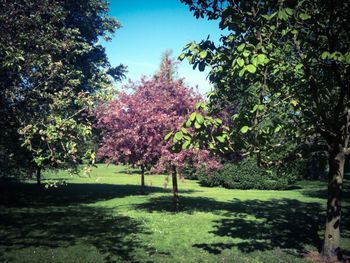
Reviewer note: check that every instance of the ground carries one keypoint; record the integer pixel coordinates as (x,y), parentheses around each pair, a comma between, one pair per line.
(103,218)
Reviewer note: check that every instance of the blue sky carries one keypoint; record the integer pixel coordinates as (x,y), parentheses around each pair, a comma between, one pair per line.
(151,27)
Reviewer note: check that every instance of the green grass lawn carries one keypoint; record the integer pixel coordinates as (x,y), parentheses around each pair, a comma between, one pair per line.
(104,219)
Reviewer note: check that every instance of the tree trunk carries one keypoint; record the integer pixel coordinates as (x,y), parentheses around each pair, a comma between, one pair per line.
(38,175)
(175,189)
(142,180)
(331,243)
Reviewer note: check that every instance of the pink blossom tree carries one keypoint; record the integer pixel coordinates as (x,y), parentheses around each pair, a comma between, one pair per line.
(134,124)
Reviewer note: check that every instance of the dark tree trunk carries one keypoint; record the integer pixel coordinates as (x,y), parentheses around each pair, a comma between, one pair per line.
(38,175)
(332,235)
(142,180)
(175,189)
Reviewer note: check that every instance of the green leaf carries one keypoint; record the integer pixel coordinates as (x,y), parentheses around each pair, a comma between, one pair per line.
(193,46)
(282,14)
(178,136)
(261,58)
(241,72)
(220,138)
(197,125)
(325,55)
(245,129)
(185,145)
(246,53)
(240,62)
(294,102)
(167,137)
(241,47)
(200,105)
(199,118)
(267,17)
(181,56)
(255,61)
(188,123)
(278,128)
(257,107)
(193,116)
(254,109)
(347,57)
(235,116)
(203,54)
(304,16)
(289,11)
(299,66)
(218,121)
(251,68)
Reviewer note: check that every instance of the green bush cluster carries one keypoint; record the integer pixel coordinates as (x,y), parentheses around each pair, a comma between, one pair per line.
(188,172)
(292,171)
(248,175)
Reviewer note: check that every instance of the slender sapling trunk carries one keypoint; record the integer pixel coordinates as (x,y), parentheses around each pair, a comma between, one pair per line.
(38,175)
(176,200)
(142,180)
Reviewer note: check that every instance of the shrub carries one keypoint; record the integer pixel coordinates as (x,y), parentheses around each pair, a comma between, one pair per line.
(209,177)
(188,172)
(244,175)
(292,171)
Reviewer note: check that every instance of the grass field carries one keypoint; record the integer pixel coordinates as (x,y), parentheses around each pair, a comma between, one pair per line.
(104,219)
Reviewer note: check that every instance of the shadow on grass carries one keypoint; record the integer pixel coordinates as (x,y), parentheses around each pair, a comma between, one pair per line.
(266,225)
(115,237)
(261,225)
(321,191)
(129,171)
(22,195)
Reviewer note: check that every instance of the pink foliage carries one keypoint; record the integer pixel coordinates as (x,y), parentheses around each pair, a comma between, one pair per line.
(135,123)
(197,158)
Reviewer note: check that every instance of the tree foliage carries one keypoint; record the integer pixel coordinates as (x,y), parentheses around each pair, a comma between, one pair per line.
(135,123)
(51,69)
(284,65)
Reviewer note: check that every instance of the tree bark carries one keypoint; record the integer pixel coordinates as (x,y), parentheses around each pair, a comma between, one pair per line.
(331,245)
(142,180)
(38,175)
(176,200)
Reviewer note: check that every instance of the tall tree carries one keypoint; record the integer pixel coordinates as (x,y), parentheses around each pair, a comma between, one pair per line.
(135,123)
(51,69)
(289,56)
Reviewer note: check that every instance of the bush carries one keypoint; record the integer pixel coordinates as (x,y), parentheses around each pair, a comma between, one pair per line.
(188,172)
(209,177)
(244,175)
(292,171)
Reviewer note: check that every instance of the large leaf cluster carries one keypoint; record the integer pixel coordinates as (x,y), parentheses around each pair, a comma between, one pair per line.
(283,65)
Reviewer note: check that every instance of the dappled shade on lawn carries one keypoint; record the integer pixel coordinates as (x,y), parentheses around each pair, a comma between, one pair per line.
(260,225)
(17,194)
(33,217)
